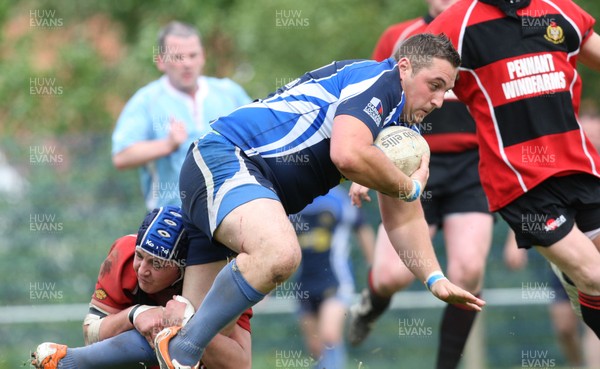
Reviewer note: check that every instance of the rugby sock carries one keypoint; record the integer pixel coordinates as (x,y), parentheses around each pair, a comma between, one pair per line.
(229,296)
(123,350)
(332,357)
(590,311)
(456,325)
(379,304)
(67,362)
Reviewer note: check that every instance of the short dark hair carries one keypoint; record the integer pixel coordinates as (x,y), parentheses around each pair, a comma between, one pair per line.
(175,28)
(420,50)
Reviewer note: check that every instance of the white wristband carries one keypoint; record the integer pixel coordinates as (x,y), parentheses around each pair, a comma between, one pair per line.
(434,277)
(415,193)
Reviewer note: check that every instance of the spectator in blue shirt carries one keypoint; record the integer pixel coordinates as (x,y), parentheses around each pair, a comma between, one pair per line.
(163,118)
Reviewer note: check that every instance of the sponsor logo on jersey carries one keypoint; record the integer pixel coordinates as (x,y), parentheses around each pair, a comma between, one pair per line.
(100,294)
(533,75)
(554,33)
(552,224)
(375,110)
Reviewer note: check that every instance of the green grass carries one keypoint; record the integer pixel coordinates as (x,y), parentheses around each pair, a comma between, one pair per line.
(278,336)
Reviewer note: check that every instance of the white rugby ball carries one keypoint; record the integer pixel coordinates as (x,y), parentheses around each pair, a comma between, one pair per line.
(403,146)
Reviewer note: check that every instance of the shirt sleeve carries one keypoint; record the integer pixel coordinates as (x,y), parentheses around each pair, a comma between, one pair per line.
(117,279)
(134,124)
(373,105)
(585,22)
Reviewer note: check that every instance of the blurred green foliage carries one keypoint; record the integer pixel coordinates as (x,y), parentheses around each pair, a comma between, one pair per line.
(101,53)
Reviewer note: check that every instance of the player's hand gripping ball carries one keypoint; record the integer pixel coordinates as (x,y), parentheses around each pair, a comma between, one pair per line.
(403,146)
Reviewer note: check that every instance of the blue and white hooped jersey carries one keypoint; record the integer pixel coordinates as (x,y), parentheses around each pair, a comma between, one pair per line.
(289,132)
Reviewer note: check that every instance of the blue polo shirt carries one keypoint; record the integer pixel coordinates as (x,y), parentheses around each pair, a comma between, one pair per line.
(147,116)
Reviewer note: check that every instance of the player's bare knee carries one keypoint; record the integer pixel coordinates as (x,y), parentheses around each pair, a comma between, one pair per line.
(285,264)
(587,279)
(467,275)
(391,280)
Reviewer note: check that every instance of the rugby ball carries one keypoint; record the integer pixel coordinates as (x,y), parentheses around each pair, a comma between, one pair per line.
(403,146)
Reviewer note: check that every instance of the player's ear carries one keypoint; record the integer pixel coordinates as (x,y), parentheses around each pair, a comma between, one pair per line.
(404,66)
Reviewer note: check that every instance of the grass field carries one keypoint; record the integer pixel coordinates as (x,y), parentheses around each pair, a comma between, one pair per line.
(508,335)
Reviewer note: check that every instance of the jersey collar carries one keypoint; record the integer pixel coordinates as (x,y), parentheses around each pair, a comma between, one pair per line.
(509,7)
(427,18)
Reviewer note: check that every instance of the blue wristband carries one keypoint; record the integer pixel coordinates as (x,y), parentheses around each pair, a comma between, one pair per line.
(415,193)
(433,277)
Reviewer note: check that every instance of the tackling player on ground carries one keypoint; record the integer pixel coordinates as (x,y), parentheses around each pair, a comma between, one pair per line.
(137,295)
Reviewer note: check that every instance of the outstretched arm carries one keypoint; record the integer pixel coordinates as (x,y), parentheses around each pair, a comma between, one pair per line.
(117,321)
(408,231)
(97,328)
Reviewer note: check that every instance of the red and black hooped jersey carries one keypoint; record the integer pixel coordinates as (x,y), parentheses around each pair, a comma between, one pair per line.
(450,129)
(519,80)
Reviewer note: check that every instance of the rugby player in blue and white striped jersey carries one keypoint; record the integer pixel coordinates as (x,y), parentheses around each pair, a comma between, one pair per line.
(271,158)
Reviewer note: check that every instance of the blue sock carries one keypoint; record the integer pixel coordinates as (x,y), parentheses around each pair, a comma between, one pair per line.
(229,296)
(121,351)
(333,357)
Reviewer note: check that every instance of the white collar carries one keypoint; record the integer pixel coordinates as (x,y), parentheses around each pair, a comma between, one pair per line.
(200,94)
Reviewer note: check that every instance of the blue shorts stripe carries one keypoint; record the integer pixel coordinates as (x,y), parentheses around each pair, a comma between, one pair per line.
(240,195)
(228,179)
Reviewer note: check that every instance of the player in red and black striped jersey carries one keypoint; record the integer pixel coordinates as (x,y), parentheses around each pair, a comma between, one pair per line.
(454,201)
(539,170)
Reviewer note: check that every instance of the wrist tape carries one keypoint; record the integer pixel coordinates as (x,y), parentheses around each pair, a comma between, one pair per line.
(415,193)
(92,333)
(432,278)
(137,310)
